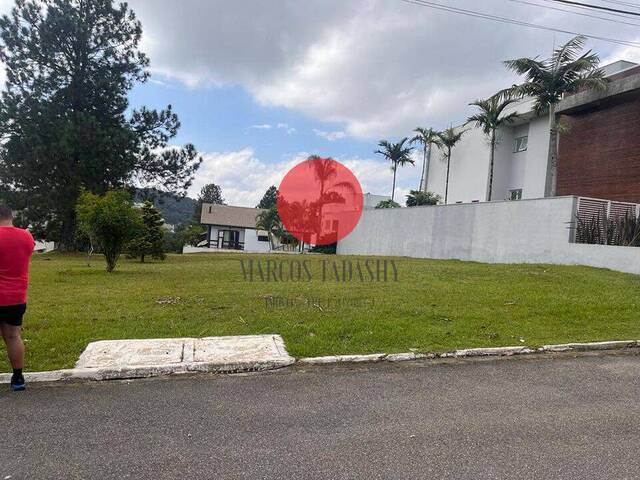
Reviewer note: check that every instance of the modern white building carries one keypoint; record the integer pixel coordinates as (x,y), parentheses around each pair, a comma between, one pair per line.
(520,167)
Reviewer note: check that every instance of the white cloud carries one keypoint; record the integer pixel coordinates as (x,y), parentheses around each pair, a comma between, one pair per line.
(244,178)
(331,136)
(378,67)
(631,54)
(286,128)
(280,126)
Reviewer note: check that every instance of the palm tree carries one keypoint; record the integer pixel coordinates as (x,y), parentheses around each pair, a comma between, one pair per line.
(269,221)
(448,139)
(398,154)
(547,81)
(418,197)
(427,137)
(325,170)
(490,118)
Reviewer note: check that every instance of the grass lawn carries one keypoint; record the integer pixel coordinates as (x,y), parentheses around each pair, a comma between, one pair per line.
(434,305)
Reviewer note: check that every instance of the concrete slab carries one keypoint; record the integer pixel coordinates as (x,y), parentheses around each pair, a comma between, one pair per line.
(239,349)
(126,353)
(249,352)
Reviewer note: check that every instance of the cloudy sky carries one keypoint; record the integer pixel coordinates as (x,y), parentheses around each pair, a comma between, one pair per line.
(259,85)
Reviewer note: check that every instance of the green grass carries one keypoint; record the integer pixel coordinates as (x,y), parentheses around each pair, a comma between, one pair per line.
(434,305)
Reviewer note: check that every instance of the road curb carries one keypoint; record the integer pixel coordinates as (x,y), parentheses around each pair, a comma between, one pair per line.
(471,352)
(124,373)
(147,371)
(611,345)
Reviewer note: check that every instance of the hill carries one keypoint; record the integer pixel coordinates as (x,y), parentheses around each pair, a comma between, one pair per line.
(174,208)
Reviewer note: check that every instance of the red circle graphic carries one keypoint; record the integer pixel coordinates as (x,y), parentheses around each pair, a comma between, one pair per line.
(319,201)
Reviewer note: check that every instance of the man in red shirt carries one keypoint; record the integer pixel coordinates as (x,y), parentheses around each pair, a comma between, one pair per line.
(16,248)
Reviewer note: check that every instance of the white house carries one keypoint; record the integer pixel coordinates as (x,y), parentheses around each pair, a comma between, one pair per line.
(520,167)
(233,228)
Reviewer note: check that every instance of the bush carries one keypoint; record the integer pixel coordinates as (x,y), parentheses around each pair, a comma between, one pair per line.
(387,204)
(602,229)
(109,221)
(417,198)
(326,249)
(150,239)
(185,234)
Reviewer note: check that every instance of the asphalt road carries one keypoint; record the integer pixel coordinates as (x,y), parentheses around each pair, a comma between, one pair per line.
(563,417)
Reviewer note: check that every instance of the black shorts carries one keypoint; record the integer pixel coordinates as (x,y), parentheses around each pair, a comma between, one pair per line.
(12,315)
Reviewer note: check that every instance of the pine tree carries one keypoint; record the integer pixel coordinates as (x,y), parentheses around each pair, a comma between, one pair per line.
(150,240)
(210,193)
(64,112)
(269,198)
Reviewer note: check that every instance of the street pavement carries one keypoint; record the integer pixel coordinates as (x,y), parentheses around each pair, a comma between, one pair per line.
(561,416)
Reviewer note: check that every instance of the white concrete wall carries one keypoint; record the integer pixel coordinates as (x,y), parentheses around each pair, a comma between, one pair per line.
(526,231)
(251,243)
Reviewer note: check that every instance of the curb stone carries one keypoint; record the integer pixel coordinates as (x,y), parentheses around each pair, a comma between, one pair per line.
(375,357)
(98,374)
(613,345)
(403,357)
(147,371)
(492,351)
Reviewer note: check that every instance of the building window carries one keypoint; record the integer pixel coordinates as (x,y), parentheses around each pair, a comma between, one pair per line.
(520,144)
(263,238)
(515,194)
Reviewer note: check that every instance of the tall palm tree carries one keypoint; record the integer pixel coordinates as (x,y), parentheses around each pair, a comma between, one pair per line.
(325,170)
(427,137)
(269,221)
(490,118)
(399,154)
(448,139)
(547,81)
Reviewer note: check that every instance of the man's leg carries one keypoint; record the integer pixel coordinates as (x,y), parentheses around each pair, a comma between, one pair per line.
(15,350)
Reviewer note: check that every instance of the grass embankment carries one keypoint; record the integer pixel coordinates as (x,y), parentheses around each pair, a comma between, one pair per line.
(434,305)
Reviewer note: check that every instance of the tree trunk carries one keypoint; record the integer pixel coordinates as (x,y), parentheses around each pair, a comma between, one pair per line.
(446,188)
(426,172)
(111,259)
(67,240)
(424,164)
(491,161)
(552,158)
(393,190)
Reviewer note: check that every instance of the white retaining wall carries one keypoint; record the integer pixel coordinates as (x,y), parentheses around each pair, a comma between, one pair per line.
(525,231)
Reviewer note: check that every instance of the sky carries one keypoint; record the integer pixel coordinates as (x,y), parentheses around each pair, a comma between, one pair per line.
(261,85)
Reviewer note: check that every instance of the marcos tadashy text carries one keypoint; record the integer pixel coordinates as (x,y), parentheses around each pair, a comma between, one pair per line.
(343,270)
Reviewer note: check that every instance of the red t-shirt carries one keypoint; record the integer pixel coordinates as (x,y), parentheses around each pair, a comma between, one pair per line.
(16,247)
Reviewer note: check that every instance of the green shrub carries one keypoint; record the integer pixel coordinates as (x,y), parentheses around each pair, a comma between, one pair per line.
(387,204)
(109,221)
